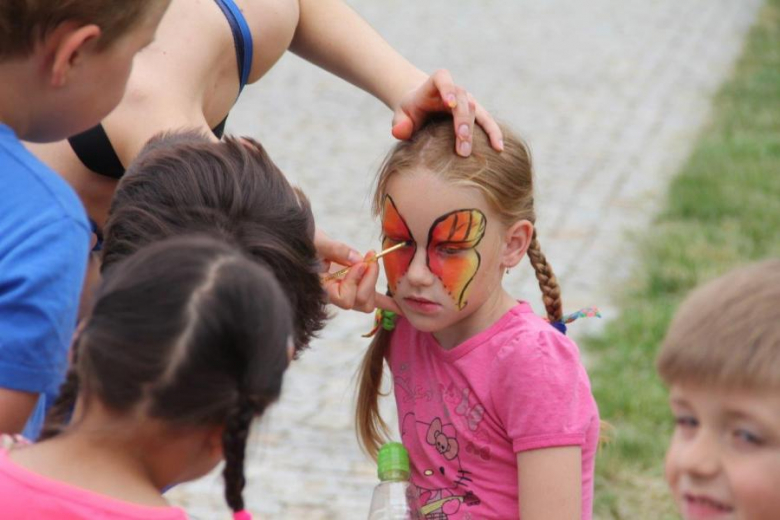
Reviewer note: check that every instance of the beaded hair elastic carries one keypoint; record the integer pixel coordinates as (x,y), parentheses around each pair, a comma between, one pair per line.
(242,515)
(382,319)
(587,312)
(387,320)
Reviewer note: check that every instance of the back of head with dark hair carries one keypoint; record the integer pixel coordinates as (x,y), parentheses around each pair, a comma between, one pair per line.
(189,331)
(184,183)
(23,23)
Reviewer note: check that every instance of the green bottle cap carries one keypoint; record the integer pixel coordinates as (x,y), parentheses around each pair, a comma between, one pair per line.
(393,462)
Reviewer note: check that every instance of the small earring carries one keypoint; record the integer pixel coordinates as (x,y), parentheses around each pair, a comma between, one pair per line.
(507,270)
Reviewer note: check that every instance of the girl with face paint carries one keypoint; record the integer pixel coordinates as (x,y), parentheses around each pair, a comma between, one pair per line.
(493,402)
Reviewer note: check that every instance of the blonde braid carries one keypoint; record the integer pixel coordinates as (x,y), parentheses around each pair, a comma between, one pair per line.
(551,292)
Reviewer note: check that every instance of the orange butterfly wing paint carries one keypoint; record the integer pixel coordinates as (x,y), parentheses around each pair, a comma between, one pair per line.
(395,231)
(452,253)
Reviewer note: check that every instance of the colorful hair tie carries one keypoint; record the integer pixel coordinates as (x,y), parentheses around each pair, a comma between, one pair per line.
(242,515)
(587,312)
(382,319)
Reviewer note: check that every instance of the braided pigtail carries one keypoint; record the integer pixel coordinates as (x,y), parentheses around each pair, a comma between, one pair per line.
(234,441)
(60,412)
(551,292)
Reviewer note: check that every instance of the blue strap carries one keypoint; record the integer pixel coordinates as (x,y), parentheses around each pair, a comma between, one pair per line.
(559,326)
(242,37)
(98,234)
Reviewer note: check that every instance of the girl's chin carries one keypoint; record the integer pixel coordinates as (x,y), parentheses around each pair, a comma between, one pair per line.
(425,323)
(422,323)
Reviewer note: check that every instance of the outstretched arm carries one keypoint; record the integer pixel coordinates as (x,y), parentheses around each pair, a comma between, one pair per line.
(332,36)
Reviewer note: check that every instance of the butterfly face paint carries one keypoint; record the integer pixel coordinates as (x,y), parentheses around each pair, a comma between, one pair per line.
(452,253)
(395,231)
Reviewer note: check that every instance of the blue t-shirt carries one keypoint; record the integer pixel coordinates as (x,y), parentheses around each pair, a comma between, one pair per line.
(44,243)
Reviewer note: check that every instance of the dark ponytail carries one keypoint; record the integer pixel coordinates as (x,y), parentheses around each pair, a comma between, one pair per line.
(59,414)
(234,441)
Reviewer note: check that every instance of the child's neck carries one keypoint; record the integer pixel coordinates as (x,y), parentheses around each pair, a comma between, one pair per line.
(115,469)
(481,319)
(116,458)
(16,108)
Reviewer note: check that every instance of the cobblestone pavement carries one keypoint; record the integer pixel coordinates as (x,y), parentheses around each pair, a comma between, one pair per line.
(610,95)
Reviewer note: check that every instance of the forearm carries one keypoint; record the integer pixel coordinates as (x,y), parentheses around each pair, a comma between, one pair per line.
(334,37)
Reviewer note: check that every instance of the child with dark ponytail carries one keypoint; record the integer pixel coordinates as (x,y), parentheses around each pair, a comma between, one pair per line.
(186,344)
(493,402)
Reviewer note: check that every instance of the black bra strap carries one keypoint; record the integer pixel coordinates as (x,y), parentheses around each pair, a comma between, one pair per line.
(94,149)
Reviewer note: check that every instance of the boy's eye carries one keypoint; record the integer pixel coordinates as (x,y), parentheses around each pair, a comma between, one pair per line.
(746,438)
(686,421)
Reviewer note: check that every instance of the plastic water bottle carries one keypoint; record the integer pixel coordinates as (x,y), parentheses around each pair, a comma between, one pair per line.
(394,498)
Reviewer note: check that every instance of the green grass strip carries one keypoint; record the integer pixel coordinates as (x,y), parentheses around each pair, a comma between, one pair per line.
(722,210)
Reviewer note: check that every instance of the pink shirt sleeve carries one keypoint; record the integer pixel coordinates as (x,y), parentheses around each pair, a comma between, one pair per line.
(541,392)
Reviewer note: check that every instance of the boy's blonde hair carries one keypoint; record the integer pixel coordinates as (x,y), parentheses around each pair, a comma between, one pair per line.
(24,23)
(727,332)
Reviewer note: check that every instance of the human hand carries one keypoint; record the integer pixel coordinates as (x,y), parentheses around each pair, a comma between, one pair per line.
(332,251)
(440,94)
(357,288)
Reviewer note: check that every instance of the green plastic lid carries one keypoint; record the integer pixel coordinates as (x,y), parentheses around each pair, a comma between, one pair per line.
(393,462)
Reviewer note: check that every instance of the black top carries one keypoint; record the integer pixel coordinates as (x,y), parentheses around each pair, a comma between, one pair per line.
(94,148)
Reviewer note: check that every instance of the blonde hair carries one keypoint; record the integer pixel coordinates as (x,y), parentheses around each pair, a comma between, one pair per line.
(506,181)
(727,332)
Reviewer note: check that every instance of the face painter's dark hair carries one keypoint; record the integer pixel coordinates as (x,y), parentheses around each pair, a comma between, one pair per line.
(188,331)
(184,183)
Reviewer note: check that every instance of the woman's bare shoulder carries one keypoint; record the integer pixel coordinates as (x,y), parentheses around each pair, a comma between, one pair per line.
(273,24)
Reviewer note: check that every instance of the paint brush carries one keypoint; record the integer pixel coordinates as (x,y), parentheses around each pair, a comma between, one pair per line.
(342,272)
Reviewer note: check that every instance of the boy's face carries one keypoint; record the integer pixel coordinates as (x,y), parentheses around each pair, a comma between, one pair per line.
(724,458)
(95,81)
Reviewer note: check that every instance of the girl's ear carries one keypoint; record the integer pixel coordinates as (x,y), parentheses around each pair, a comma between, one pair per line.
(516,241)
(66,47)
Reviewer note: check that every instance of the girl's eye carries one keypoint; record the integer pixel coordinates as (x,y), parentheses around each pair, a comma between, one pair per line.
(746,438)
(450,251)
(395,241)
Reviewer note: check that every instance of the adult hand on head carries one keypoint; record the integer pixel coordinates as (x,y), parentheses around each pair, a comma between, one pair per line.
(440,94)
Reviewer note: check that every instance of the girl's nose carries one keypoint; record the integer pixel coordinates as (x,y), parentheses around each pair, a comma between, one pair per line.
(701,455)
(418,273)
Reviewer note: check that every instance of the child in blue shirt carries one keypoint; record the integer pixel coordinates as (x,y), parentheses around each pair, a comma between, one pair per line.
(63,66)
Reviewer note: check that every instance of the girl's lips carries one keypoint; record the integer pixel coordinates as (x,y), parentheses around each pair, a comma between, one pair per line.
(702,507)
(421,305)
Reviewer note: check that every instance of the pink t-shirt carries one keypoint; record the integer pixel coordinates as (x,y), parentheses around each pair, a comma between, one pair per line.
(25,495)
(465,413)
